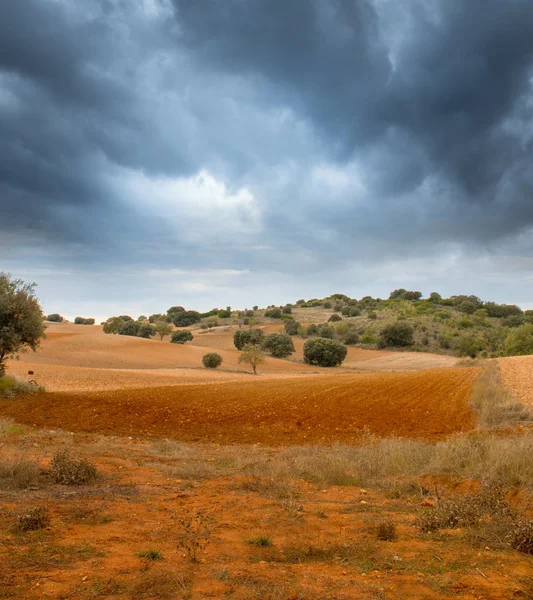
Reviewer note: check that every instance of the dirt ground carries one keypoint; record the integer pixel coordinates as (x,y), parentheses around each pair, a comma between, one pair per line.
(517,374)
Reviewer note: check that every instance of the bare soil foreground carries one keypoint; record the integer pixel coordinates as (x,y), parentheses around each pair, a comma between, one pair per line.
(139,475)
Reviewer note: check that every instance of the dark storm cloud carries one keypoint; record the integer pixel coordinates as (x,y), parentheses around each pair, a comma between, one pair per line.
(375,124)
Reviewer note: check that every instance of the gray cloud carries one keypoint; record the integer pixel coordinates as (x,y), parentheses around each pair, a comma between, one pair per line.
(265,135)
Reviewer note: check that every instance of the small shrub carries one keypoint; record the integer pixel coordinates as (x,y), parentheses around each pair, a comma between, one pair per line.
(287,310)
(195,532)
(212,360)
(351,338)
(11,386)
(334,318)
(273,313)
(278,344)
(34,519)
(520,341)
(397,334)
(521,538)
(54,318)
(70,471)
(18,474)
(368,338)
(386,531)
(292,327)
(180,337)
(372,316)
(324,352)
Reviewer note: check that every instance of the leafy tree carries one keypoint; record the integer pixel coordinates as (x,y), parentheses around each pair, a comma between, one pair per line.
(54,318)
(278,344)
(324,352)
(468,307)
(334,317)
(126,318)
(397,294)
(185,318)
(513,321)
(292,327)
(287,309)
(146,330)
(244,337)
(412,295)
(142,318)
(397,334)
(252,355)
(224,314)
(435,298)
(129,328)
(83,321)
(162,329)
(180,337)
(326,331)
(156,317)
(327,304)
(273,313)
(174,310)
(520,341)
(21,318)
(212,360)
(256,307)
(249,313)
(354,311)
(113,324)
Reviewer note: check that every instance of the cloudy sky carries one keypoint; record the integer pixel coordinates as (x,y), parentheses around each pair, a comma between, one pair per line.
(239,152)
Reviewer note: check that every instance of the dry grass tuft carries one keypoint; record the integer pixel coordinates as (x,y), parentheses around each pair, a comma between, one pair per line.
(18,474)
(386,531)
(11,386)
(161,585)
(71,471)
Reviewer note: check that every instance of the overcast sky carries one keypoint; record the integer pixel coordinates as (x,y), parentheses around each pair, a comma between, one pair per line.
(240,152)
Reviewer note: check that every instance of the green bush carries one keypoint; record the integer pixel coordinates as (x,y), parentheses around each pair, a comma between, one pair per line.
(324,352)
(287,309)
(520,341)
(83,321)
(243,337)
(180,337)
(224,314)
(334,318)
(326,331)
(354,311)
(278,344)
(372,315)
(292,327)
(469,345)
(129,328)
(186,318)
(273,313)
(126,318)
(351,338)
(397,334)
(54,318)
(113,324)
(513,321)
(212,360)
(146,331)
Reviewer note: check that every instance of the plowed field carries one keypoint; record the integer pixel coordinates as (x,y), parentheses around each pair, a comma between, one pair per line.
(312,409)
(517,374)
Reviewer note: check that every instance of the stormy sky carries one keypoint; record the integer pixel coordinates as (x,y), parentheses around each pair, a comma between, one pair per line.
(240,152)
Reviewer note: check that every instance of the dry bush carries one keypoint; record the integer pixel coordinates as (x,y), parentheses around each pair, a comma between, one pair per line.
(18,474)
(161,585)
(386,531)
(521,537)
(11,386)
(71,471)
(493,403)
(196,531)
(32,520)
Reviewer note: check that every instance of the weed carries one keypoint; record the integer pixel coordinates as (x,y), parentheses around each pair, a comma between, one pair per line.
(262,541)
(196,532)
(70,471)
(11,386)
(161,585)
(150,555)
(386,531)
(32,520)
(521,538)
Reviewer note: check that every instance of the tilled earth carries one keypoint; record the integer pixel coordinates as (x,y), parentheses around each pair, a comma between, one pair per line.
(313,409)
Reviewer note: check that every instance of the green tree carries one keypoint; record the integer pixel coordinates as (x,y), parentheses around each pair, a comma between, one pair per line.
(146,330)
(397,334)
(180,337)
(334,317)
(129,328)
(54,318)
(469,345)
(292,327)
(324,352)
(520,341)
(253,356)
(243,337)
(21,318)
(186,318)
(273,313)
(162,329)
(113,324)
(212,360)
(278,344)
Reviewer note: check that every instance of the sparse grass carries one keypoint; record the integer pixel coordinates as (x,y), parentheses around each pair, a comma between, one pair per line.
(196,528)
(18,474)
(347,552)
(9,427)
(494,404)
(151,555)
(32,520)
(161,585)
(71,471)
(271,488)
(262,541)
(11,386)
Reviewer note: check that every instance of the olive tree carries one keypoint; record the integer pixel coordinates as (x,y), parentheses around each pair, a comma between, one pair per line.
(21,318)
(162,328)
(253,356)
(324,352)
